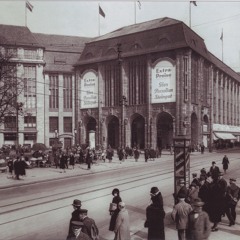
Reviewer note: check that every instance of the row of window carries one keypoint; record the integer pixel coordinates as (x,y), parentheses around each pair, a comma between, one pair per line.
(10,122)
(13,136)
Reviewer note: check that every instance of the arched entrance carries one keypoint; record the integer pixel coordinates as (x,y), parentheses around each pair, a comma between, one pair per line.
(164,130)
(194,129)
(91,127)
(138,132)
(113,132)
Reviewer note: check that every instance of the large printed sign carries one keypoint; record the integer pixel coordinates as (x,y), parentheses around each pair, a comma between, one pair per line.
(163,82)
(89,90)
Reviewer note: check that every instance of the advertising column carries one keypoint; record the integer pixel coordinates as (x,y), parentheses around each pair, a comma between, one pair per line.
(181,162)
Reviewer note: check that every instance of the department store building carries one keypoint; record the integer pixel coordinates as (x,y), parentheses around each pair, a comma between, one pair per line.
(140,85)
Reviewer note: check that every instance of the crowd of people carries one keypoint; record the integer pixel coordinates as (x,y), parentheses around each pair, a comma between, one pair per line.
(209,197)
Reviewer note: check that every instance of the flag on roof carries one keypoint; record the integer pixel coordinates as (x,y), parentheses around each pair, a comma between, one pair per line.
(139,4)
(29,6)
(221,38)
(194,3)
(101,12)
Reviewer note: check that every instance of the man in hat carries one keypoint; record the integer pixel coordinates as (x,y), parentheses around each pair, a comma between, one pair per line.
(180,216)
(214,170)
(89,225)
(195,179)
(156,196)
(198,222)
(75,214)
(232,198)
(76,232)
(182,190)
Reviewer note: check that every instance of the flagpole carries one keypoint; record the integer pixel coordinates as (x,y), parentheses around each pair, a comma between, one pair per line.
(98,20)
(222,45)
(135,15)
(25,13)
(190,14)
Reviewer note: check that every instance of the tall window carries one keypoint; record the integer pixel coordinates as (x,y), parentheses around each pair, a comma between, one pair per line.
(137,82)
(194,77)
(53,92)
(185,78)
(67,91)
(205,84)
(10,122)
(29,121)
(112,84)
(53,124)
(67,122)
(30,86)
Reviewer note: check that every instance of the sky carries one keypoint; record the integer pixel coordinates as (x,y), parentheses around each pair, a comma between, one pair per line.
(81,18)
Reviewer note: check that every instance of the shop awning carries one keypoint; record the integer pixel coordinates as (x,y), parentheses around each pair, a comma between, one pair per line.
(224,136)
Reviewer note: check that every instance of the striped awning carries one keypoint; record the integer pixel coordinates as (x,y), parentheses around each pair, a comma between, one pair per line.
(224,136)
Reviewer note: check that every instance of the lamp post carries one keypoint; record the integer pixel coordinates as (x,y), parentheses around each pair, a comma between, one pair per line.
(19,106)
(123,103)
(75,137)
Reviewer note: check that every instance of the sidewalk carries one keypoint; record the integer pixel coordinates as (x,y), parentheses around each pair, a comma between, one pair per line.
(45,174)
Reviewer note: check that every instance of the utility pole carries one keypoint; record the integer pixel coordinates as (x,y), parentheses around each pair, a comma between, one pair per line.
(19,106)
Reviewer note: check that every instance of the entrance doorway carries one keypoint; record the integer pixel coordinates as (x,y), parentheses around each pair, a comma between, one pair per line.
(164,130)
(91,126)
(113,132)
(138,132)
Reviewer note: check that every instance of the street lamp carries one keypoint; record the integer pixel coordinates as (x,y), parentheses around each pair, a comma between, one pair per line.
(123,103)
(75,137)
(19,106)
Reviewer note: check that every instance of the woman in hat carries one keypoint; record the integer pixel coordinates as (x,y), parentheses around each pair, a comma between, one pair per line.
(198,222)
(114,209)
(155,216)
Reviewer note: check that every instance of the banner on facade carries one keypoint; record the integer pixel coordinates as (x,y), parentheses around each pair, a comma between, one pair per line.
(163,82)
(89,90)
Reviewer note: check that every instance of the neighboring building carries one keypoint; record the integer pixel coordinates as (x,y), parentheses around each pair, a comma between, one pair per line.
(140,85)
(169,81)
(60,55)
(27,54)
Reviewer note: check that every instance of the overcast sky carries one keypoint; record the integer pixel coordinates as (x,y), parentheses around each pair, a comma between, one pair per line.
(81,18)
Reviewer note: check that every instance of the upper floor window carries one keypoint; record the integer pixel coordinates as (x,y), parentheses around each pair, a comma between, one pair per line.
(67,122)
(53,124)
(67,91)
(29,121)
(30,54)
(29,81)
(10,122)
(53,91)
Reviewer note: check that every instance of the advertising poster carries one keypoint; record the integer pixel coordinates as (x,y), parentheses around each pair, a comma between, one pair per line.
(163,82)
(89,90)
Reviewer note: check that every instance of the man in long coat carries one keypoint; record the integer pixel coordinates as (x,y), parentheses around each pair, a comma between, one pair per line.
(198,222)
(122,231)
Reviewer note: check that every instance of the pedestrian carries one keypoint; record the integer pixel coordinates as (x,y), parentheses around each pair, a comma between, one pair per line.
(121,154)
(63,160)
(232,198)
(195,179)
(202,147)
(180,216)
(155,215)
(214,170)
(217,204)
(114,209)
(198,222)
(225,163)
(146,154)
(181,189)
(192,193)
(89,158)
(109,154)
(75,214)
(121,230)
(16,167)
(72,160)
(10,166)
(136,154)
(89,225)
(76,232)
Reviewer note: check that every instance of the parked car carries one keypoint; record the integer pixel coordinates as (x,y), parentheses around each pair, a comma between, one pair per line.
(3,165)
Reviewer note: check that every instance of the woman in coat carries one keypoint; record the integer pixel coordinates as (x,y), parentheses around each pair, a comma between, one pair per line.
(114,212)
(155,216)
(121,230)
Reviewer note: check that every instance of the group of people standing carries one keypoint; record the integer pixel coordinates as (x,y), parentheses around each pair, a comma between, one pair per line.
(207,200)
(16,167)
